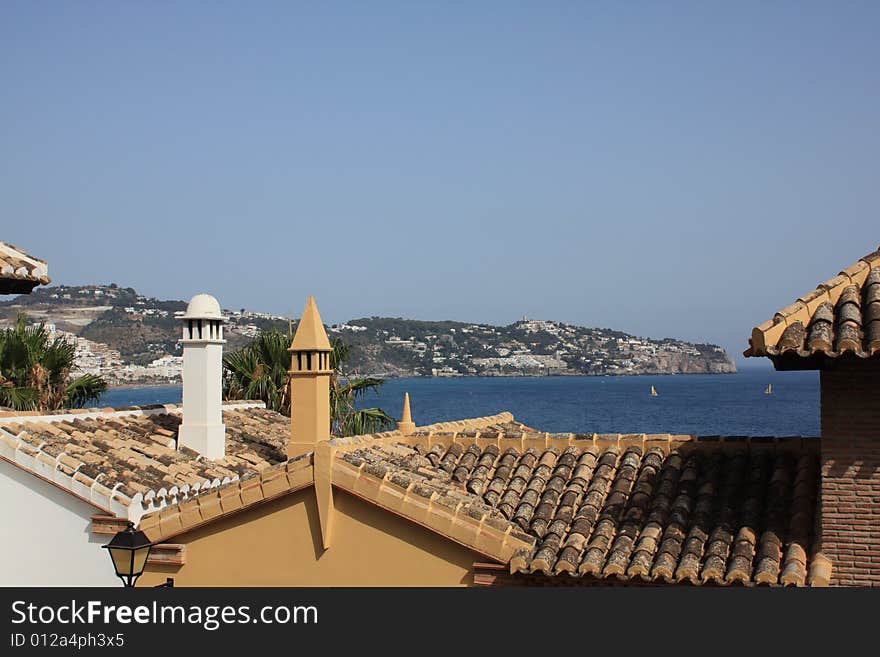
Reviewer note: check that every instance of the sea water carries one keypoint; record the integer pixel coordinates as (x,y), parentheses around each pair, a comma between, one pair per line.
(706,404)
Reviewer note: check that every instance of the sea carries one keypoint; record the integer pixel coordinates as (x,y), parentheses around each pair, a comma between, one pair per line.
(704,404)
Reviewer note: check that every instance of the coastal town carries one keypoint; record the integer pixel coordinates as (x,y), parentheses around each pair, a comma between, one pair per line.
(747,511)
(527,347)
(129,338)
(316,317)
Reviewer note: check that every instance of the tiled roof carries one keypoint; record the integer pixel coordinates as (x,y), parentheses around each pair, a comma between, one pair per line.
(126,462)
(637,508)
(219,501)
(841,317)
(19,272)
(386,471)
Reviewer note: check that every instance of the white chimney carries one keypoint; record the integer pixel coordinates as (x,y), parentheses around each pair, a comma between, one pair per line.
(202,428)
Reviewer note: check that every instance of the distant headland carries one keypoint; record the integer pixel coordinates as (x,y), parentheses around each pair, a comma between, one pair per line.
(130,338)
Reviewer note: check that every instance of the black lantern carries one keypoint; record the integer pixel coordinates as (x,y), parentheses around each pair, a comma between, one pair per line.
(129,550)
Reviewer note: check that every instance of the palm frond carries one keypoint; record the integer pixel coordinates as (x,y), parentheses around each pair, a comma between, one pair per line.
(365,420)
(259,370)
(36,370)
(84,389)
(18,398)
(358,387)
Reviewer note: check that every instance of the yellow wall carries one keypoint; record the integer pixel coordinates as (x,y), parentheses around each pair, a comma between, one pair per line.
(279,544)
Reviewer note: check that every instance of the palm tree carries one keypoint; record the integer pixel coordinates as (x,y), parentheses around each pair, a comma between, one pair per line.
(259,371)
(35,371)
(346,419)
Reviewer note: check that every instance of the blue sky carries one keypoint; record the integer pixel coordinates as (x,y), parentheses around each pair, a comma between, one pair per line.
(667,169)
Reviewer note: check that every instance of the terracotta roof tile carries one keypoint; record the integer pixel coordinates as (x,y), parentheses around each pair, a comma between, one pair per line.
(650,509)
(841,317)
(19,272)
(132,453)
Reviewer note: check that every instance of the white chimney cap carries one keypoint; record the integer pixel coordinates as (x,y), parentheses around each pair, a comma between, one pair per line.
(203,306)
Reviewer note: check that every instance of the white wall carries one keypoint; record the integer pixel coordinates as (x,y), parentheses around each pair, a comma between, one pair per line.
(45,536)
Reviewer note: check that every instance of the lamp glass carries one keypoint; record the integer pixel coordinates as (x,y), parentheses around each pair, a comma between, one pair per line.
(121,561)
(139,560)
(129,550)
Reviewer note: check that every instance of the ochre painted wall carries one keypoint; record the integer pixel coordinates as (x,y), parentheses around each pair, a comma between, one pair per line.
(279,544)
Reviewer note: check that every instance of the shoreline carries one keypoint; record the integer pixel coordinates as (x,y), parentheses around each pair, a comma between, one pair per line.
(126,386)
(538,376)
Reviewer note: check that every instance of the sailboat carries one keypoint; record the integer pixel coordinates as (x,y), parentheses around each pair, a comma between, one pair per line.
(653,392)
(769,390)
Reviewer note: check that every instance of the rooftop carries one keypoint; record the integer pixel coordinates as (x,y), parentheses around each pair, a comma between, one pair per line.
(558,508)
(126,462)
(839,319)
(637,508)
(19,272)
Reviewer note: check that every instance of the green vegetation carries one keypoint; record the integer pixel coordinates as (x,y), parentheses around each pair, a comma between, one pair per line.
(35,371)
(144,328)
(259,371)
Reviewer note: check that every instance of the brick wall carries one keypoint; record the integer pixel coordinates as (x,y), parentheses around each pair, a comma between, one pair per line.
(850,511)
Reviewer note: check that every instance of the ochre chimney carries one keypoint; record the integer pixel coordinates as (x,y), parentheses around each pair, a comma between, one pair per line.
(202,428)
(406,425)
(309,383)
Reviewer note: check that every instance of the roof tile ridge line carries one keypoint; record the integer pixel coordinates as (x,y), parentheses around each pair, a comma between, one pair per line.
(341,441)
(183,496)
(422,510)
(96,414)
(871,258)
(467,423)
(155,501)
(94,490)
(116,496)
(58,462)
(830,289)
(56,468)
(463,519)
(23,255)
(513,527)
(218,493)
(664,438)
(504,537)
(384,438)
(236,404)
(33,459)
(54,482)
(18,449)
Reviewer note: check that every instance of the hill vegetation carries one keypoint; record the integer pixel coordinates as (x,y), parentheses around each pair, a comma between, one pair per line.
(143,329)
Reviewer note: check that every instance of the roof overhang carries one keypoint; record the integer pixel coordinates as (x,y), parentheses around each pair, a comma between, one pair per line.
(790,361)
(19,272)
(13,286)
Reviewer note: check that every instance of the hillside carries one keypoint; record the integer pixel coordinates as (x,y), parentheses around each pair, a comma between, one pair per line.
(527,347)
(129,337)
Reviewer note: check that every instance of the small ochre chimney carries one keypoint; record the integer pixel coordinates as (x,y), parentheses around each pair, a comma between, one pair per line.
(202,428)
(406,425)
(309,383)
